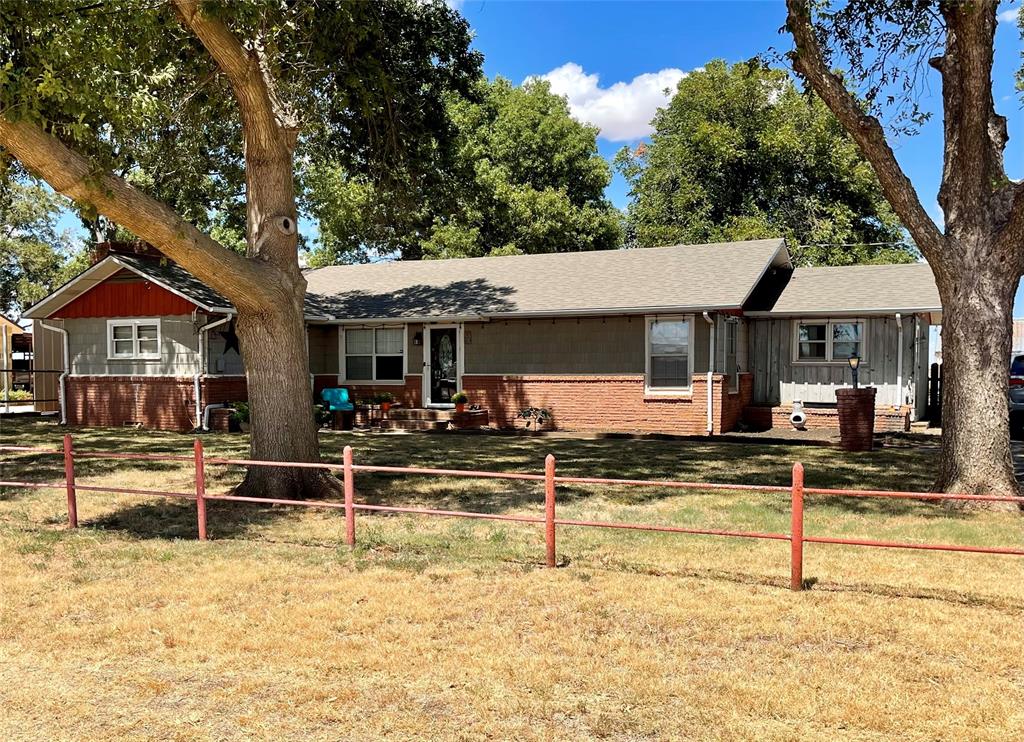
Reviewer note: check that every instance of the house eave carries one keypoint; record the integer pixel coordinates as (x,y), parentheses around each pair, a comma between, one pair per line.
(538,314)
(844,312)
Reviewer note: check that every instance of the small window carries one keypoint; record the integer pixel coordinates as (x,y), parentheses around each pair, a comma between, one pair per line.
(668,353)
(813,341)
(133,339)
(829,341)
(375,354)
(732,369)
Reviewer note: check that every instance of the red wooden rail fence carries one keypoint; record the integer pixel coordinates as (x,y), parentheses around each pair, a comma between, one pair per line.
(348,468)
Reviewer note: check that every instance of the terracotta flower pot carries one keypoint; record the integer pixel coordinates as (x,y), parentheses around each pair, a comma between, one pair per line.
(460,407)
(384,407)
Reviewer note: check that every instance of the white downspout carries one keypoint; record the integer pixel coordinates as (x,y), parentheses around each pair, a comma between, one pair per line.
(4,360)
(61,380)
(711,372)
(201,414)
(915,369)
(899,360)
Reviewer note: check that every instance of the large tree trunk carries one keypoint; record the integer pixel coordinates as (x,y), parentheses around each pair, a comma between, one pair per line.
(281,404)
(979,259)
(976,332)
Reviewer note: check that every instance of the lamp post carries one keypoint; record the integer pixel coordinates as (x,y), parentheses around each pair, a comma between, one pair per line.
(854,366)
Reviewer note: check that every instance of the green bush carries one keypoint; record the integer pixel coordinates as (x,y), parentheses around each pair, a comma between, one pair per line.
(240,412)
(19,395)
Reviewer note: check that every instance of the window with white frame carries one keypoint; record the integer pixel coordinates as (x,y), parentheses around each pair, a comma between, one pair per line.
(668,353)
(132,339)
(828,341)
(375,354)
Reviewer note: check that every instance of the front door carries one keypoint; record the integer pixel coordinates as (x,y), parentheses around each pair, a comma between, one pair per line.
(443,379)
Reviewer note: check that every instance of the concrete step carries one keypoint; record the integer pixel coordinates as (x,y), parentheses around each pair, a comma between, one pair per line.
(419,413)
(413,424)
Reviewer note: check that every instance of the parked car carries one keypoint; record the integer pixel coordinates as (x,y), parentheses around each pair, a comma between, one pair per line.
(1017,397)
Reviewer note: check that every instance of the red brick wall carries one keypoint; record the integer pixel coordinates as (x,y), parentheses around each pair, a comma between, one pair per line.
(409,395)
(887,419)
(612,403)
(160,402)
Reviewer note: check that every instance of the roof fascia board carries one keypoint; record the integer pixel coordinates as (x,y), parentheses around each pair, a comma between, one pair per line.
(106,263)
(540,314)
(843,312)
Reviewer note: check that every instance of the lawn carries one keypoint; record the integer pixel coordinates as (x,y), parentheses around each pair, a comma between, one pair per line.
(449,629)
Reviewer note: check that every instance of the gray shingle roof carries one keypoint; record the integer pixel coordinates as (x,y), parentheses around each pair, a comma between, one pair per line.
(859,288)
(669,278)
(173,276)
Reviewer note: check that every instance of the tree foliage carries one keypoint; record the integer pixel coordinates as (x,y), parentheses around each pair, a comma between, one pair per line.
(35,257)
(740,153)
(364,83)
(186,120)
(526,178)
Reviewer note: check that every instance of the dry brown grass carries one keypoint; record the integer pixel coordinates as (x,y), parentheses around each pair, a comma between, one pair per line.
(439,629)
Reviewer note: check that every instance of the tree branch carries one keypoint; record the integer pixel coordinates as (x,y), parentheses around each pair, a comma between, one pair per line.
(975,135)
(70,173)
(865,130)
(269,135)
(255,98)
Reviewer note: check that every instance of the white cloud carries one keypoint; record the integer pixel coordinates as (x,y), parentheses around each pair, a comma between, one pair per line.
(623,111)
(1008,16)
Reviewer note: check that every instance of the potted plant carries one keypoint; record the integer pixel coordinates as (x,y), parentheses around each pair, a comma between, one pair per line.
(385,400)
(460,399)
(536,416)
(240,415)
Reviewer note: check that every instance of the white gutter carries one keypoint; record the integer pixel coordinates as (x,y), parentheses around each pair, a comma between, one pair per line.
(711,372)
(61,380)
(899,358)
(201,414)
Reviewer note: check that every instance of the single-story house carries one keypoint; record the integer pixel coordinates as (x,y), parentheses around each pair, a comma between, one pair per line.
(688,339)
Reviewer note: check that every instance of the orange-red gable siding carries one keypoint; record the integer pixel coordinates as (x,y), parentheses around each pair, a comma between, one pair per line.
(123,297)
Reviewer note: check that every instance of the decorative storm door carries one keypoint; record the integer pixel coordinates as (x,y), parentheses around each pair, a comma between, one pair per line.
(444,364)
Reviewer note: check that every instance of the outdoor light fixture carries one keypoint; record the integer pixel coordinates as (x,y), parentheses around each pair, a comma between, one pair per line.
(417,339)
(854,366)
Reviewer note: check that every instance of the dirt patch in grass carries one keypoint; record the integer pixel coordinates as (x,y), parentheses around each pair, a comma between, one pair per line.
(442,629)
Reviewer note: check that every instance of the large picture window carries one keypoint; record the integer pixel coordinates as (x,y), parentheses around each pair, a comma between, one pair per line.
(668,353)
(375,354)
(133,339)
(829,341)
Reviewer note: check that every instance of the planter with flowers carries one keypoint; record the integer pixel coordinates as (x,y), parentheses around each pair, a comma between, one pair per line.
(460,399)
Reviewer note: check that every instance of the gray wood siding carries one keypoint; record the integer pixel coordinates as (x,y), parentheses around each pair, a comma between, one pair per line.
(588,345)
(778,380)
(179,349)
(323,349)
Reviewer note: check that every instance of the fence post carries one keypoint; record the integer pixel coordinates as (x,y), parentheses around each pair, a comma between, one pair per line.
(200,488)
(69,478)
(549,508)
(350,491)
(796,535)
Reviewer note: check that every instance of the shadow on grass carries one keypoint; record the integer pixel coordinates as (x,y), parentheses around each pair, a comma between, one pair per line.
(177,519)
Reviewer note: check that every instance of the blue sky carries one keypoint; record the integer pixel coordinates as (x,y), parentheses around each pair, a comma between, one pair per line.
(627,44)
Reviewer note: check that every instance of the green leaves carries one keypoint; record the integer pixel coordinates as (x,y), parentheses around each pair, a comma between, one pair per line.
(525,177)
(740,153)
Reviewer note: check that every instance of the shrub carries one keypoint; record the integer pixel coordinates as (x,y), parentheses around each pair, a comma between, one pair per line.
(19,395)
(240,412)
